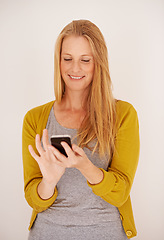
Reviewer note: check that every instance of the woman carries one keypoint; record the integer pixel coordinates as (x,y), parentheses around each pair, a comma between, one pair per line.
(87,194)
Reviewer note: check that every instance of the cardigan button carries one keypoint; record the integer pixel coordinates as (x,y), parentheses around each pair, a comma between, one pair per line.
(128,233)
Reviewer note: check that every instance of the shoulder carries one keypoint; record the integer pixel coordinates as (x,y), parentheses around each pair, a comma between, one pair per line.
(40,112)
(123,106)
(125,113)
(37,111)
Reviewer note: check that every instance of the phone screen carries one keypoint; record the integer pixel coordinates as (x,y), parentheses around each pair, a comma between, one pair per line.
(56,142)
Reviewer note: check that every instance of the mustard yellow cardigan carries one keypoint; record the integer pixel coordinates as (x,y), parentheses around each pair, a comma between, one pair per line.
(116,185)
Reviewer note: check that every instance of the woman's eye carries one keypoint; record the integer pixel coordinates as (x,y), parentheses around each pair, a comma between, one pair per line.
(86,60)
(67,59)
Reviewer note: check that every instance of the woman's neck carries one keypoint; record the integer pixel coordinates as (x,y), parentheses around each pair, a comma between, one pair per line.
(74,101)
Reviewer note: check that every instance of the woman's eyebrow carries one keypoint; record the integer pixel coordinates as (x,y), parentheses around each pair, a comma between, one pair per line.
(87,55)
(66,54)
(83,55)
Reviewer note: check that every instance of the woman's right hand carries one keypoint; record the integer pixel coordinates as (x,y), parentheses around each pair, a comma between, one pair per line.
(51,172)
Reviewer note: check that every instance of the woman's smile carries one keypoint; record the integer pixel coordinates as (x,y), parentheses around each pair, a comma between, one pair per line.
(76,77)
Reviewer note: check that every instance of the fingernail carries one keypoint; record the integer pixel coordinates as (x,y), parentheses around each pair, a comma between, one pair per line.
(62,143)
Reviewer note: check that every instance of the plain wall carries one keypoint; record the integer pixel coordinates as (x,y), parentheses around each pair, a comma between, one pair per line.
(134,33)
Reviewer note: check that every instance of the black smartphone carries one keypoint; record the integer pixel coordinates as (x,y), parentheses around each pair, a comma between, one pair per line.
(56,142)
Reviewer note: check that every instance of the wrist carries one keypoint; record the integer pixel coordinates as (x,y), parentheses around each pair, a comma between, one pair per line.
(93,174)
(46,189)
(49,184)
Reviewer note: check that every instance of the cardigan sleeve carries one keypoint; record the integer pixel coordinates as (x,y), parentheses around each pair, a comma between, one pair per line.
(117,182)
(32,173)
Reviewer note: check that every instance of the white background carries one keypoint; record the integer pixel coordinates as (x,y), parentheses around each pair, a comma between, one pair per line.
(134,33)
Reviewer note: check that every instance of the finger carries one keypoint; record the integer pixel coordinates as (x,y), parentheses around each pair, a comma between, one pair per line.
(45,139)
(57,153)
(55,159)
(77,149)
(67,149)
(39,145)
(33,154)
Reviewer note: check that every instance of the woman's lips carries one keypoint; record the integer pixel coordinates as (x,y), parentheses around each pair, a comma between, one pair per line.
(76,77)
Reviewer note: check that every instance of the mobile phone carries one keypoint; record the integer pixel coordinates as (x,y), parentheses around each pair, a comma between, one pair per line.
(56,142)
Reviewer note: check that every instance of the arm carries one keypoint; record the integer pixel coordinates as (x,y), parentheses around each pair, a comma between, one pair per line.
(117,182)
(32,173)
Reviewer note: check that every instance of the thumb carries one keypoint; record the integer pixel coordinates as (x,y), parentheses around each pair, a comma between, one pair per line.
(77,149)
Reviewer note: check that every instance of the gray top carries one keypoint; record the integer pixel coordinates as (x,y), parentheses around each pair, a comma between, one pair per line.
(77,212)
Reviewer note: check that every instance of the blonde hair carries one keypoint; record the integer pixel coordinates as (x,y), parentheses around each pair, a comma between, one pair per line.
(99,122)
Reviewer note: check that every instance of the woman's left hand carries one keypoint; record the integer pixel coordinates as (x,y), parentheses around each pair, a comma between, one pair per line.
(78,159)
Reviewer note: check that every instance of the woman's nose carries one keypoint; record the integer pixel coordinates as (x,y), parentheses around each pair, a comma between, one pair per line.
(75,66)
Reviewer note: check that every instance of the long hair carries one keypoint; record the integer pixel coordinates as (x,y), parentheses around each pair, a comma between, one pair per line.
(99,123)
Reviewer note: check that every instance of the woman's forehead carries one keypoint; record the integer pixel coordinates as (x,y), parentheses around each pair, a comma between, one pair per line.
(76,44)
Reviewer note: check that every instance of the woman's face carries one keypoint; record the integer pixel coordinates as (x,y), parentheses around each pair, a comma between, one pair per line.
(77,63)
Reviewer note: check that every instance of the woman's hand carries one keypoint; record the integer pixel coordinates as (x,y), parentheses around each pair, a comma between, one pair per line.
(46,160)
(77,159)
(52,164)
